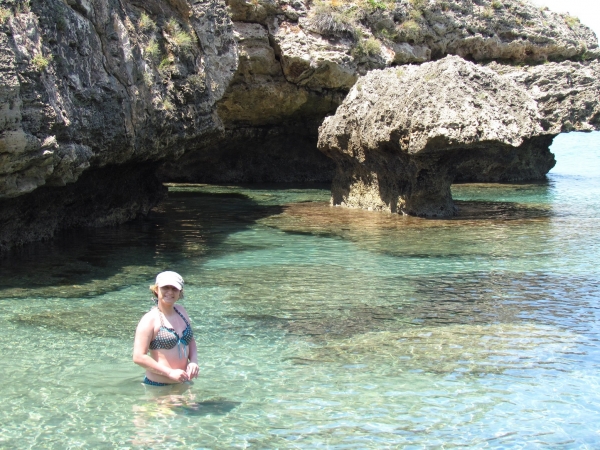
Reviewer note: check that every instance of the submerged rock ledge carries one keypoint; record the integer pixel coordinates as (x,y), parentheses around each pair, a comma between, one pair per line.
(404,135)
(101,94)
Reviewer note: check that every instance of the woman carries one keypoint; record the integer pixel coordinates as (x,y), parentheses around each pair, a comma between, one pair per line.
(166,333)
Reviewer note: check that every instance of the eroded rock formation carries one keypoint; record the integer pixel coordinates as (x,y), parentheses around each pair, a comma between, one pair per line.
(234,90)
(403,135)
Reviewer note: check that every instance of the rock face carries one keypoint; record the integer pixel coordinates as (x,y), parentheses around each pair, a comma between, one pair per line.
(90,83)
(566,94)
(222,91)
(90,87)
(403,135)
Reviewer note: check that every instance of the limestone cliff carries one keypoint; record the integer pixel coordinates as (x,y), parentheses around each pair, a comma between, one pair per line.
(103,93)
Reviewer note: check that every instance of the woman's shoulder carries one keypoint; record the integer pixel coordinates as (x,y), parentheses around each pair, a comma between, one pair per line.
(150,317)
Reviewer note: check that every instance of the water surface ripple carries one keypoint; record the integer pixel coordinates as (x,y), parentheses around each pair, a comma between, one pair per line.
(320,327)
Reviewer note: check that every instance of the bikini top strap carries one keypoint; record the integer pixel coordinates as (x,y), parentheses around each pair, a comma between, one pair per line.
(161,315)
(181,315)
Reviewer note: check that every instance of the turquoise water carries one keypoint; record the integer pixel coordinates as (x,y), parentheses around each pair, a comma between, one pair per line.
(320,327)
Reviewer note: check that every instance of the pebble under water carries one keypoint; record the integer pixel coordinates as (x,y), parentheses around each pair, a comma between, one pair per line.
(320,327)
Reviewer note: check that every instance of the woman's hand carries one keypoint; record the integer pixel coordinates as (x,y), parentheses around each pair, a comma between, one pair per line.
(192,370)
(178,375)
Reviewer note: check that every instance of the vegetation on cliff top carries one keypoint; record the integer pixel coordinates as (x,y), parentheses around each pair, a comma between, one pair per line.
(414,21)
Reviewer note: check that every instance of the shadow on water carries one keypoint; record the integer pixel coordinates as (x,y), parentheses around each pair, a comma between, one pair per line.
(212,407)
(180,399)
(89,262)
(195,224)
(195,221)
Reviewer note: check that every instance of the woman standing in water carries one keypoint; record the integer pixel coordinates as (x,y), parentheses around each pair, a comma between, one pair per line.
(166,333)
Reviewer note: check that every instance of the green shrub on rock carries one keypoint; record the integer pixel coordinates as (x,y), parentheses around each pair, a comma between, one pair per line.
(146,23)
(165,66)
(488,13)
(5,13)
(387,35)
(410,28)
(377,4)
(167,105)
(179,38)
(40,62)
(367,47)
(152,49)
(571,21)
(196,82)
(148,79)
(183,40)
(171,27)
(418,4)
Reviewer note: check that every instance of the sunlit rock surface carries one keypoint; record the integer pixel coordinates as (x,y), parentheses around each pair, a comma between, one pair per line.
(566,93)
(403,135)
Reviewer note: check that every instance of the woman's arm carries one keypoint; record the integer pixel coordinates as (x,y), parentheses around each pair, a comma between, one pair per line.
(143,336)
(192,367)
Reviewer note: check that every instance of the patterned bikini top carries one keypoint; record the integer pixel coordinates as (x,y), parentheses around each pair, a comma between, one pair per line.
(167,338)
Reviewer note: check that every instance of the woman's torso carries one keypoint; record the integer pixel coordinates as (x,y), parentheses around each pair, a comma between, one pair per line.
(170,344)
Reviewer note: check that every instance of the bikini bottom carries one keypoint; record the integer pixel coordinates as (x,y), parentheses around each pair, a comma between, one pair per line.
(154,383)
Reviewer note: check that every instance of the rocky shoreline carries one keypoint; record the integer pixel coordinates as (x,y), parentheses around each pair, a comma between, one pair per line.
(98,93)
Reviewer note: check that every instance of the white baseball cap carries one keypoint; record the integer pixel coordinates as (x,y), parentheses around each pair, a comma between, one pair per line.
(169,279)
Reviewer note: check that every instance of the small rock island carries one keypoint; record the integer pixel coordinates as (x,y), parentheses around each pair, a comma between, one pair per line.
(403,135)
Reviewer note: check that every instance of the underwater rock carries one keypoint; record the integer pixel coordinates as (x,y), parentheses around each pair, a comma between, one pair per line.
(375,231)
(460,349)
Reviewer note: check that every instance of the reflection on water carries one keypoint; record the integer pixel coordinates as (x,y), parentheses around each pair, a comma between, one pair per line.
(320,326)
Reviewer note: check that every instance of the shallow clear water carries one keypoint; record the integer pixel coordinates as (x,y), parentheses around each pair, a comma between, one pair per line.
(318,326)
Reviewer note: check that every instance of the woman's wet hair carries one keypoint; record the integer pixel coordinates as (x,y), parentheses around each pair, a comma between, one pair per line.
(154,289)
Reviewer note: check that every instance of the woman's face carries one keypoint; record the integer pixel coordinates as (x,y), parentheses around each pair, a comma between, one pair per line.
(168,294)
